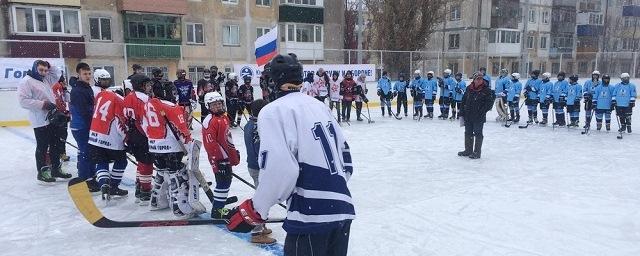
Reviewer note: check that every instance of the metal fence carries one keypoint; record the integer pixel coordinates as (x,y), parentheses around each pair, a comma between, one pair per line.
(119,57)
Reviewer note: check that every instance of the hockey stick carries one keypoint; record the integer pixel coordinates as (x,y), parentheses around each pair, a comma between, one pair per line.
(79,193)
(252,186)
(388,104)
(514,111)
(587,126)
(369,113)
(620,132)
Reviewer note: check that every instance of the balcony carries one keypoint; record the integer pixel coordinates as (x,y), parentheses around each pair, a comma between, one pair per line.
(631,11)
(299,14)
(304,51)
(154,6)
(589,30)
(37,47)
(153,49)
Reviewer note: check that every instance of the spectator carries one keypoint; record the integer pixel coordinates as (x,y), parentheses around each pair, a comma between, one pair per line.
(476,102)
(61,94)
(203,87)
(260,234)
(36,95)
(81,108)
(321,85)
(137,69)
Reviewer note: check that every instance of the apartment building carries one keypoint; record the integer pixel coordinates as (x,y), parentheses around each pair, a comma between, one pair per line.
(167,34)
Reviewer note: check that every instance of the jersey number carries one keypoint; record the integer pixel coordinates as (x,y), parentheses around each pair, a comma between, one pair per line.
(320,134)
(103,109)
(152,116)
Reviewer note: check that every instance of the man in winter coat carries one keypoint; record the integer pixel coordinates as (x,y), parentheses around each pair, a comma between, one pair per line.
(81,108)
(476,102)
(36,95)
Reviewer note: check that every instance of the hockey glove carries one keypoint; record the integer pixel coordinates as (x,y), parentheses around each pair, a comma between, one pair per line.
(379,92)
(435,95)
(594,104)
(563,101)
(516,100)
(632,103)
(614,103)
(48,105)
(458,90)
(243,218)
(224,167)
(577,103)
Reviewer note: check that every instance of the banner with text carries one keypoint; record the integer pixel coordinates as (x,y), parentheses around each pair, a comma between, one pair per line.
(368,69)
(14,69)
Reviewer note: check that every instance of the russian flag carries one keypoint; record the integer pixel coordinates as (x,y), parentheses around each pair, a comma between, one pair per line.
(266,47)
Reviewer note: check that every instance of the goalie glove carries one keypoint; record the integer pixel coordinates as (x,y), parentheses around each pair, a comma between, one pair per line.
(243,218)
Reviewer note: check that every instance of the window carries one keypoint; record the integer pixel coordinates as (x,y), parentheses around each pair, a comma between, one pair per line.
(530,42)
(261,31)
(545,17)
(529,67)
(304,33)
(46,20)
(543,42)
(230,1)
(596,19)
(555,68)
(196,73)
(454,41)
(231,35)
(147,71)
(263,2)
(543,67)
(583,66)
(630,44)
(504,37)
(300,2)
(100,29)
(455,12)
(515,66)
(532,16)
(150,26)
(453,66)
(195,33)
(109,69)
(562,42)
(492,36)
(520,15)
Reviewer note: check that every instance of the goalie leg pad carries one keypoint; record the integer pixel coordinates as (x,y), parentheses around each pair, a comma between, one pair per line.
(159,192)
(194,194)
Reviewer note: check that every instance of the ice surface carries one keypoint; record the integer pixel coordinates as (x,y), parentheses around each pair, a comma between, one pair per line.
(536,191)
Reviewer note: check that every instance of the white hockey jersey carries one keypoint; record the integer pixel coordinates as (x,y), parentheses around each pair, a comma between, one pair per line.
(305,160)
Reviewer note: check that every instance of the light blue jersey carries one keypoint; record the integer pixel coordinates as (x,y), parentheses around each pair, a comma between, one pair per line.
(459,89)
(624,93)
(602,96)
(559,89)
(514,88)
(574,93)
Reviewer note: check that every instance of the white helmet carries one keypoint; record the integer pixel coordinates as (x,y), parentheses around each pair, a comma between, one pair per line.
(595,72)
(233,76)
(624,75)
(212,97)
(447,71)
(100,74)
(515,76)
(127,84)
(546,75)
(430,72)
(417,72)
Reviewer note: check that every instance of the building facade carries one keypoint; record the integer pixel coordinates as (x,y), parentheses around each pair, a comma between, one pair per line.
(167,34)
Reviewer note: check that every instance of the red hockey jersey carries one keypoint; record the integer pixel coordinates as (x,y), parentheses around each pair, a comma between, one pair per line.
(134,105)
(108,123)
(163,119)
(218,141)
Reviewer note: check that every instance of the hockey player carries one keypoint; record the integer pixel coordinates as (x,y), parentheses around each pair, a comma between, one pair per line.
(360,93)
(602,99)
(321,84)
(159,81)
(204,86)
(544,96)
(347,91)
(334,94)
(246,96)
(186,93)
(233,99)
(559,93)
(458,91)
(137,142)
(169,137)
(446,84)
(400,90)
(430,93)
(307,86)
(624,99)
(513,91)
(308,165)
(385,93)
(61,94)
(588,90)
(81,109)
(260,234)
(501,83)
(531,90)
(221,151)
(417,92)
(574,95)
(106,137)
(217,78)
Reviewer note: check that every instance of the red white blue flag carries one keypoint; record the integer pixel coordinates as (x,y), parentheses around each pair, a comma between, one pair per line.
(266,47)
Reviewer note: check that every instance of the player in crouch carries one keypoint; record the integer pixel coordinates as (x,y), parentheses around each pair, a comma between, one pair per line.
(221,151)
(106,137)
(308,164)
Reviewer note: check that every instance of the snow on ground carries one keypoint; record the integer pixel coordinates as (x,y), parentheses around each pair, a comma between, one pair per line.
(536,191)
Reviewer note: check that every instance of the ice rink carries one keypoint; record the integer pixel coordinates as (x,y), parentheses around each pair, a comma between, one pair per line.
(536,191)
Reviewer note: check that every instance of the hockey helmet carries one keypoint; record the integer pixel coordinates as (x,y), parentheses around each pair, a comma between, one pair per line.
(447,71)
(247,79)
(138,82)
(625,77)
(515,76)
(606,79)
(417,72)
(212,97)
(233,76)
(164,90)
(504,72)
(595,73)
(181,73)
(157,73)
(535,73)
(102,78)
(286,69)
(546,75)
(459,75)
(562,74)
(573,78)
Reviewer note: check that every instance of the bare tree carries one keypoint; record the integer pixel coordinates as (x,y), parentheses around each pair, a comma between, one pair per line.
(403,25)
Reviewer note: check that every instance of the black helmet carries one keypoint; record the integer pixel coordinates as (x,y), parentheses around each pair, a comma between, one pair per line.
(138,81)
(574,78)
(164,91)
(606,77)
(156,72)
(562,74)
(335,73)
(247,79)
(136,67)
(535,73)
(459,75)
(213,67)
(285,69)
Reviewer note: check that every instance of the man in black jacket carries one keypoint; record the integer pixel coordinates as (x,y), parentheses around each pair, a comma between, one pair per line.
(476,102)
